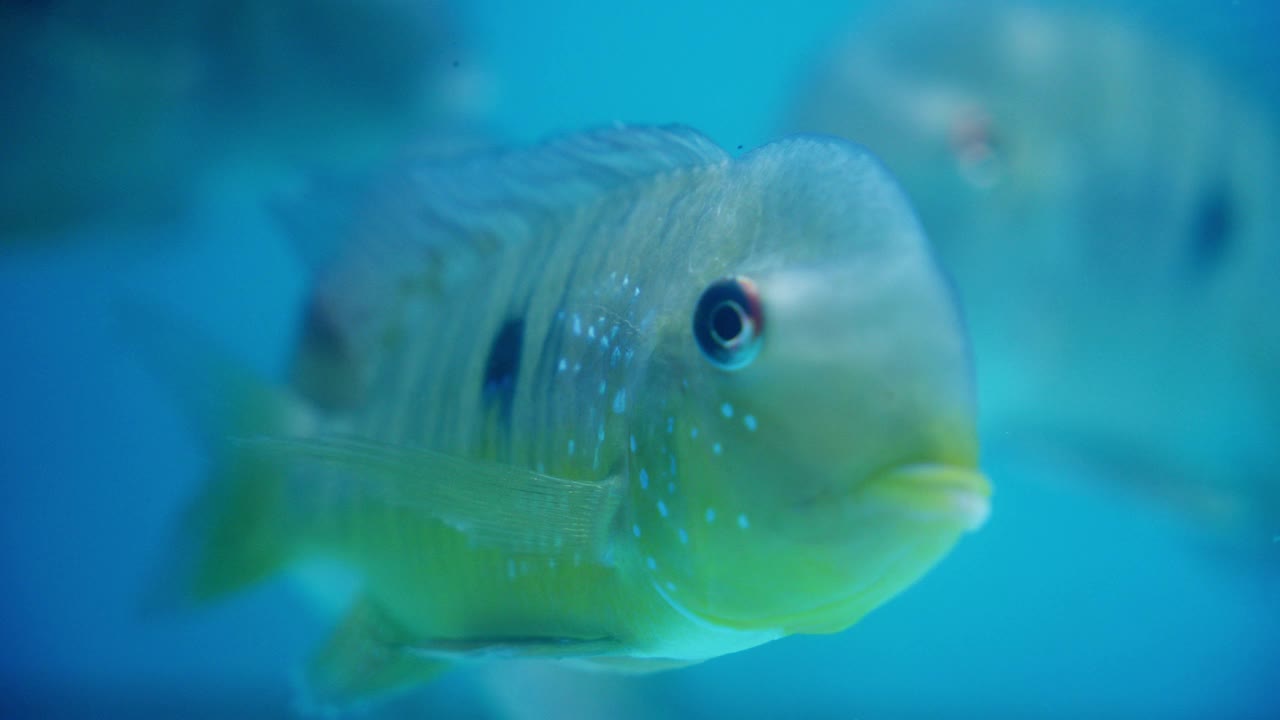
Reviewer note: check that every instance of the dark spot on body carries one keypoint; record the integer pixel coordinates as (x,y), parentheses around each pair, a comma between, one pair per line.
(1213,225)
(325,367)
(455,63)
(739,147)
(503,366)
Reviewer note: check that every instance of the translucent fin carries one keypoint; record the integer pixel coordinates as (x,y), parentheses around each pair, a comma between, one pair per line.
(501,506)
(369,657)
(363,660)
(230,536)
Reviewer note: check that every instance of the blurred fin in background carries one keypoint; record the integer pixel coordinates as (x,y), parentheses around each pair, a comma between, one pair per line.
(120,113)
(1103,198)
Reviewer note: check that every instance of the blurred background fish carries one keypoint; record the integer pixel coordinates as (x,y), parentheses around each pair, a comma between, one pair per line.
(123,113)
(1101,196)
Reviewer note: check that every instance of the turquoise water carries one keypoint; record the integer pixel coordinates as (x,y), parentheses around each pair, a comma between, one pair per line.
(1075,600)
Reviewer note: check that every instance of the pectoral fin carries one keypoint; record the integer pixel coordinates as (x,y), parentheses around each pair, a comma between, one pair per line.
(501,506)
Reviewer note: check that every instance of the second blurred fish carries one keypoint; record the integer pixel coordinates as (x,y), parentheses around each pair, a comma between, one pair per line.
(1106,204)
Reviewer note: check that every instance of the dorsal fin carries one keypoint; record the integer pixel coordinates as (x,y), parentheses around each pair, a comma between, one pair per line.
(427,204)
(563,170)
(428,222)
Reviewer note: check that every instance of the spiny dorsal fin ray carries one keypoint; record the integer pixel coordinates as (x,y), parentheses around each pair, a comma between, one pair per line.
(561,171)
(499,506)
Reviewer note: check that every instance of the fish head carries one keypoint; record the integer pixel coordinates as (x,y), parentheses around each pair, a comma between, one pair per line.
(980,110)
(819,402)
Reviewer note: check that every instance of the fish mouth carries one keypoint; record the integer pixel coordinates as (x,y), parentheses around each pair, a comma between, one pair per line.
(933,492)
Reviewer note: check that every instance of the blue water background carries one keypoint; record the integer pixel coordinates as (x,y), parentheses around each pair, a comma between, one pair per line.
(1072,602)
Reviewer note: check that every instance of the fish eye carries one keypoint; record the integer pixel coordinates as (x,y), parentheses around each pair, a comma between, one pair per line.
(728,322)
(976,147)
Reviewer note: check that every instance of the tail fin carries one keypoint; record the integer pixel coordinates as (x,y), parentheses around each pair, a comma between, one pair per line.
(233,534)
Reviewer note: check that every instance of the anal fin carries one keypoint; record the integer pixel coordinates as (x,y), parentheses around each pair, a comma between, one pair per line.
(364,660)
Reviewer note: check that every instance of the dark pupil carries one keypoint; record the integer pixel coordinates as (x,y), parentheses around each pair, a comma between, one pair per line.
(726,322)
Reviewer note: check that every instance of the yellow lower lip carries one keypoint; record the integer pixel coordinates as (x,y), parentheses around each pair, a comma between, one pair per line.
(941,492)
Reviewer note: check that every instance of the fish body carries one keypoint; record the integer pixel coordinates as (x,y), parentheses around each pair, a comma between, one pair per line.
(1101,198)
(618,399)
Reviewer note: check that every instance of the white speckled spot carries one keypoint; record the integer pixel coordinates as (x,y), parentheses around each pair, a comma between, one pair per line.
(750,422)
(662,508)
(653,564)
(633,443)
(716,448)
(577,368)
(743,522)
(563,365)
(684,536)
(600,433)
(591,331)
(710,515)
(603,386)
(626,280)
(726,410)
(635,530)
(604,340)
(620,401)
(577,324)
(637,294)
(644,479)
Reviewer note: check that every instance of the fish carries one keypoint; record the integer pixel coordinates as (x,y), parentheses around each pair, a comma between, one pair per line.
(126,119)
(619,400)
(1098,192)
